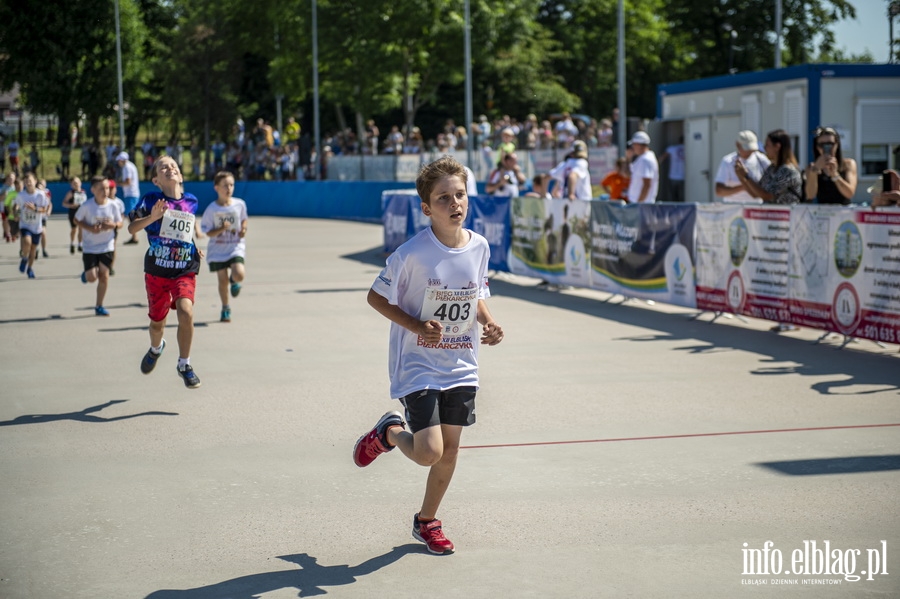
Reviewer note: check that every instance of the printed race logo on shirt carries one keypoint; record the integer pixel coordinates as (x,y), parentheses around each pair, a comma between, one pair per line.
(177,225)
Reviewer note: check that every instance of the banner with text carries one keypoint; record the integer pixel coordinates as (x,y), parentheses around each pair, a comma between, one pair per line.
(644,251)
(845,271)
(756,243)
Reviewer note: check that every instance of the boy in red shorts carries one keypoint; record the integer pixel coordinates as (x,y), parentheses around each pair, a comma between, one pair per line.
(171,263)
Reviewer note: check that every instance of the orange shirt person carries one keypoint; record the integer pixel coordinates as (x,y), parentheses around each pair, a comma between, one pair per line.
(616,182)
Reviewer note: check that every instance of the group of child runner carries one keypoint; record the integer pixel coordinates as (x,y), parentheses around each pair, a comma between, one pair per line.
(432,290)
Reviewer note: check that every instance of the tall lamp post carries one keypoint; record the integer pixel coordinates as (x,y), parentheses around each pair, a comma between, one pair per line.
(119,73)
(893,11)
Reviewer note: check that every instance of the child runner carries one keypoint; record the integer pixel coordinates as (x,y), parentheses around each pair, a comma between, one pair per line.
(433,289)
(75,197)
(98,218)
(225,222)
(9,187)
(9,206)
(170,264)
(42,185)
(31,204)
(111,194)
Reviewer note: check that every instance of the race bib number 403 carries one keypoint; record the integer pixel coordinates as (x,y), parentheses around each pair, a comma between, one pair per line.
(455,309)
(177,225)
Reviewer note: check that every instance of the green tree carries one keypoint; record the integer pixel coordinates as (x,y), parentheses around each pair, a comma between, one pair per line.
(64,74)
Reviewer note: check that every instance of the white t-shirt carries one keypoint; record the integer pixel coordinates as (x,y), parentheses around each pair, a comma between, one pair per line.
(31,220)
(676,162)
(756,165)
(228,244)
(431,281)
(507,190)
(92,213)
(645,167)
(579,166)
(132,189)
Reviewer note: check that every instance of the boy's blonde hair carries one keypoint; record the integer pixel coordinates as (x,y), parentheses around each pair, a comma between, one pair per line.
(431,173)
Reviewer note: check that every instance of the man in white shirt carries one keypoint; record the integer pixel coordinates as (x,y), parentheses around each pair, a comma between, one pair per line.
(131,190)
(728,186)
(644,171)
(572,175)
(675,155)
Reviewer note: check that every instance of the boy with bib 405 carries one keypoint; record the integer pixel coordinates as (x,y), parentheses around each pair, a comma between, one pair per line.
(433,290)
(171,263)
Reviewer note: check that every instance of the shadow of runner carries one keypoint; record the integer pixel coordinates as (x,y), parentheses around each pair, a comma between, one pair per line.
(85,415)
(872,463)
(308,581)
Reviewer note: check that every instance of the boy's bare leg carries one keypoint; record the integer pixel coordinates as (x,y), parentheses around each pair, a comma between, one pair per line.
(185,309)
(237,272)
(223,285)
(435,446)
(156,332)
(102,284)
(441,473)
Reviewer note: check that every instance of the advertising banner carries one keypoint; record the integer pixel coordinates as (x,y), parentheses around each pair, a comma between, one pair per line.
(758,248)
(551,240)
(489,216)
(845,271)
(644,251)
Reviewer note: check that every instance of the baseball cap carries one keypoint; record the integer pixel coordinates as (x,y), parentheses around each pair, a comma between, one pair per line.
(122,156)
(579,148)
(640,137)
(748,141)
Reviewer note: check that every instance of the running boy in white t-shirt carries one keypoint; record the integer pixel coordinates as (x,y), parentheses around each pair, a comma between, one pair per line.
(98,218)
(433,290)
(31,205)
(225,222)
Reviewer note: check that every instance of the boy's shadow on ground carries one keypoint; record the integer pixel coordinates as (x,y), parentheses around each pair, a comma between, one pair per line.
(308,581)
(85,415)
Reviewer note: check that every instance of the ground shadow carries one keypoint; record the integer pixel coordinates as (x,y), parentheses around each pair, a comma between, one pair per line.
(869,372)
(49,317)
(375,256)
(354,290)
(874,463)
(171,325)
(861,372)
(85,415)
(308,580)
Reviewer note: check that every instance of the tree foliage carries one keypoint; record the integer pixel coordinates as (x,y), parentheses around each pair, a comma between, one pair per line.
(200,64)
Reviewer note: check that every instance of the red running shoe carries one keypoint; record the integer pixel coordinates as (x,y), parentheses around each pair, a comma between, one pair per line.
(431,534)
(374,443)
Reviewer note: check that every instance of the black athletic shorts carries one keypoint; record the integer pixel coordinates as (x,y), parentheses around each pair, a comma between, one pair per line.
(431,407)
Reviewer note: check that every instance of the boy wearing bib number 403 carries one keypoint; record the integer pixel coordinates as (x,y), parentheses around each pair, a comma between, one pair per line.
(171,263)
(433,290)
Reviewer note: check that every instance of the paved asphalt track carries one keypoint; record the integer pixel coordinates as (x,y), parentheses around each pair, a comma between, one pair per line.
(621,450)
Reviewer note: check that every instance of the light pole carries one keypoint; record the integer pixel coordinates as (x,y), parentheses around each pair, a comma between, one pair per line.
(119,73)
(732,35)
(893,11)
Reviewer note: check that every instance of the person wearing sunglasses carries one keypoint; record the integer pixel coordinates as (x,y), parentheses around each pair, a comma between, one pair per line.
(830,178)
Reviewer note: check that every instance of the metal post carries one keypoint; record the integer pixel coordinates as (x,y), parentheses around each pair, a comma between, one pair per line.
(623,113)
(470,138)
(119,68)
(777,34)
(316,131)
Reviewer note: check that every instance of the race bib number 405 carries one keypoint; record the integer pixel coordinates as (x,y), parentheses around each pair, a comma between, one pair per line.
(177,225)
(455,309)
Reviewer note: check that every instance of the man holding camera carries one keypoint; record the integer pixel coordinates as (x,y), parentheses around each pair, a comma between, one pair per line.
(505,180)
(830,178)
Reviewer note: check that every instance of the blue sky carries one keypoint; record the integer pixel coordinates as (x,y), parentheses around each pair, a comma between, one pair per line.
(868,31)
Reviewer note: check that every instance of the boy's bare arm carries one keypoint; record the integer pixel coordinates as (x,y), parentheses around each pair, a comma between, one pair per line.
(491,332)
(429,330)
(157,213)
